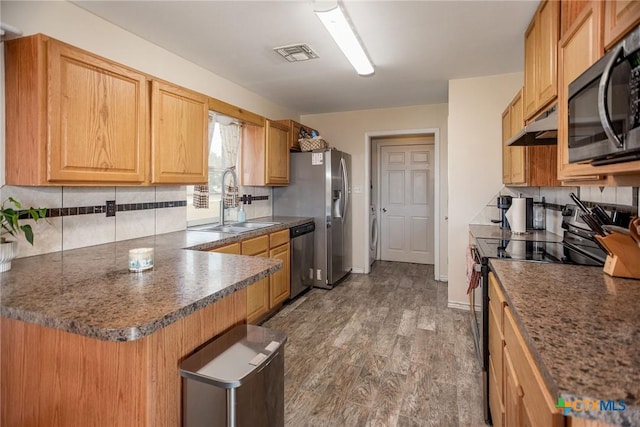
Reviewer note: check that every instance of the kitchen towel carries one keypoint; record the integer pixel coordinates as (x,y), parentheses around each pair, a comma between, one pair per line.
(201,196)
(517,215)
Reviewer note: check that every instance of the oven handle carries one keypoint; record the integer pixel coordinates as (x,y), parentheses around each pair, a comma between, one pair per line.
(603,88)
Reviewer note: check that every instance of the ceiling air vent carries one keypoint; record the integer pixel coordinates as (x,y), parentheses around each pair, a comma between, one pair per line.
(296,52)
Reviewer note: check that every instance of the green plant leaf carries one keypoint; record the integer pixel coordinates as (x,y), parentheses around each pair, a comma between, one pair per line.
(28,233)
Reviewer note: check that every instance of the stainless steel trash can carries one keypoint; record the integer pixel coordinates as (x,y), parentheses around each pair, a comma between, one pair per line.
(236,380)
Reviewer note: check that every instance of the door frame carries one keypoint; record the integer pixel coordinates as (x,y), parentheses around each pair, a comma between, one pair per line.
(436,194)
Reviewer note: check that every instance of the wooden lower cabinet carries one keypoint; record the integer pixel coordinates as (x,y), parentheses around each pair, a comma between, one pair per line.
(518,395)
(266,295)
(513,394)
(495,400)
(258,293)
(536,406)
(53,378)
(280,285)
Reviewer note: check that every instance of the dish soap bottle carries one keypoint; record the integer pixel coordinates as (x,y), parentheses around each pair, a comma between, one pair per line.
(242,216)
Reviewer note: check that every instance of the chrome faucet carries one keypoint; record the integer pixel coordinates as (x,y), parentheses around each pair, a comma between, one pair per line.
(235,184)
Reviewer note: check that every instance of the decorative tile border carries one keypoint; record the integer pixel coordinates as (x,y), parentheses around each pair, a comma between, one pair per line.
(102,209)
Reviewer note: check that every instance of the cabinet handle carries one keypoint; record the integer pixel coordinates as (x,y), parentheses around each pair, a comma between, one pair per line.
(520,391)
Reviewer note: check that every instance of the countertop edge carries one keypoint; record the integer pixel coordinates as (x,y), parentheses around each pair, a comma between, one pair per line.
(133,333)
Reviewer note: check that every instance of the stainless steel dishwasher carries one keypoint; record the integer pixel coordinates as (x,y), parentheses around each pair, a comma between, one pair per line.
(301,257)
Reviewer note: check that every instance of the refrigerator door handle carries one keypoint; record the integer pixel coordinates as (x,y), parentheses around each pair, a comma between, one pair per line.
(345,186)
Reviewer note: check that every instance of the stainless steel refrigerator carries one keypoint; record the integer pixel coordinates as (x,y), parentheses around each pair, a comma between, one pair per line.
(319,188)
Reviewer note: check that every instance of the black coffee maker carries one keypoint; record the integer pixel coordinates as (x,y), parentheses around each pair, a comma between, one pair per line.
(504,203)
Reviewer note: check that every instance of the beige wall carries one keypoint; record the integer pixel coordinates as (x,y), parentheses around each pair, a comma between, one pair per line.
(475,161)
(347,131)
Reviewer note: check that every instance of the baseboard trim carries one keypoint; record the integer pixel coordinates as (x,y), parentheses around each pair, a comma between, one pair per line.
(458,305)
(357,270)
(443,279)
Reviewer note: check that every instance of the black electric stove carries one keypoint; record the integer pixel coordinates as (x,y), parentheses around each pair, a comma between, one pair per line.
(526,250)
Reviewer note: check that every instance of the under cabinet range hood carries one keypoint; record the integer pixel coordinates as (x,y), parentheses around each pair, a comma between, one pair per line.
(542,131)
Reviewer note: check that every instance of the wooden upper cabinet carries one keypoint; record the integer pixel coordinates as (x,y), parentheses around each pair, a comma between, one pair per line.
(579,48)
(72,117)
(620,16)
(518,154)
(525,166)
(265,154)
(506,151)
(277,166)
(540,59)
(179,124)
(294,132)
(530,52)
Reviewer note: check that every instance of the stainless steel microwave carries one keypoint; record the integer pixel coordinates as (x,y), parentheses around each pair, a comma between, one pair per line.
(604,115)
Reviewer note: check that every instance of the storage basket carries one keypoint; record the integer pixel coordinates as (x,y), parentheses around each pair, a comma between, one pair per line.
(310,144)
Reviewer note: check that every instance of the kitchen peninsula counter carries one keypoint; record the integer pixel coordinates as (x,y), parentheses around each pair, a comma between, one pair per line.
(90,291)
(582,327)
(85,341)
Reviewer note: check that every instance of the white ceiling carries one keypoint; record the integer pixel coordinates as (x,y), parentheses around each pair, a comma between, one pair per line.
(416,46)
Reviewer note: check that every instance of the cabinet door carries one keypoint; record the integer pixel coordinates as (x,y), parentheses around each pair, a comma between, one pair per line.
(277,151)
(258,297)
(530,69)
(506,151)
(495,401)
(518,154)
(547,53)
(179,131)
(620,16)
(513,394)
(580,48)
(280,284)
(97,118)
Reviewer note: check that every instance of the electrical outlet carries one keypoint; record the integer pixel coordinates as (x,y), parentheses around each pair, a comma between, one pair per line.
(111,208)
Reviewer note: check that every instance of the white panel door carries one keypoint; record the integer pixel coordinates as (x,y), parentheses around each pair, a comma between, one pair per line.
(406,203)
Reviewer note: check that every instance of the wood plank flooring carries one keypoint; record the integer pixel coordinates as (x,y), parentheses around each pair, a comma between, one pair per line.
(380,349)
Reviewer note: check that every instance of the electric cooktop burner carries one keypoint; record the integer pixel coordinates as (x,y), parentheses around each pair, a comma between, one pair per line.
(526,250)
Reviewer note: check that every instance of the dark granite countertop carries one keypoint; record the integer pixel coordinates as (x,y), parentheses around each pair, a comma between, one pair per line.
(90,291)
(485,231)
(583,329)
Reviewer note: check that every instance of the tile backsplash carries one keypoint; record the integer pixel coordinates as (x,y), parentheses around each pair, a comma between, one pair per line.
(622,198)
(77,215)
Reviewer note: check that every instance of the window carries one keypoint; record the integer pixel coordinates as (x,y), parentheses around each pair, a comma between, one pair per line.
(224,144)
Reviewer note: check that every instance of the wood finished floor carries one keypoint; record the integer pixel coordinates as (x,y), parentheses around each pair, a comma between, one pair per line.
(380,350)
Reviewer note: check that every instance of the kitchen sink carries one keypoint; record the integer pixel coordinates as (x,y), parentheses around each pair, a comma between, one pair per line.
(237,228)
(253,225)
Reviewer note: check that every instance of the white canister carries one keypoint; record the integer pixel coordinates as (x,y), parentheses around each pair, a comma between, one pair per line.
(140,259)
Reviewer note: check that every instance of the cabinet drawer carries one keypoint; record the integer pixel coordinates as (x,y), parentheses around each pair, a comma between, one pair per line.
(537,398)
(496,300)
(278,238)
(256,245)
(495,396)
(233,248)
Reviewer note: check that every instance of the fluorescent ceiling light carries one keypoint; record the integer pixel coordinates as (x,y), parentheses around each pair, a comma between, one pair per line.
(336,23)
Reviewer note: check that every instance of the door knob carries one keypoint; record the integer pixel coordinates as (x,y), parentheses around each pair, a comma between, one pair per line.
(384,209)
